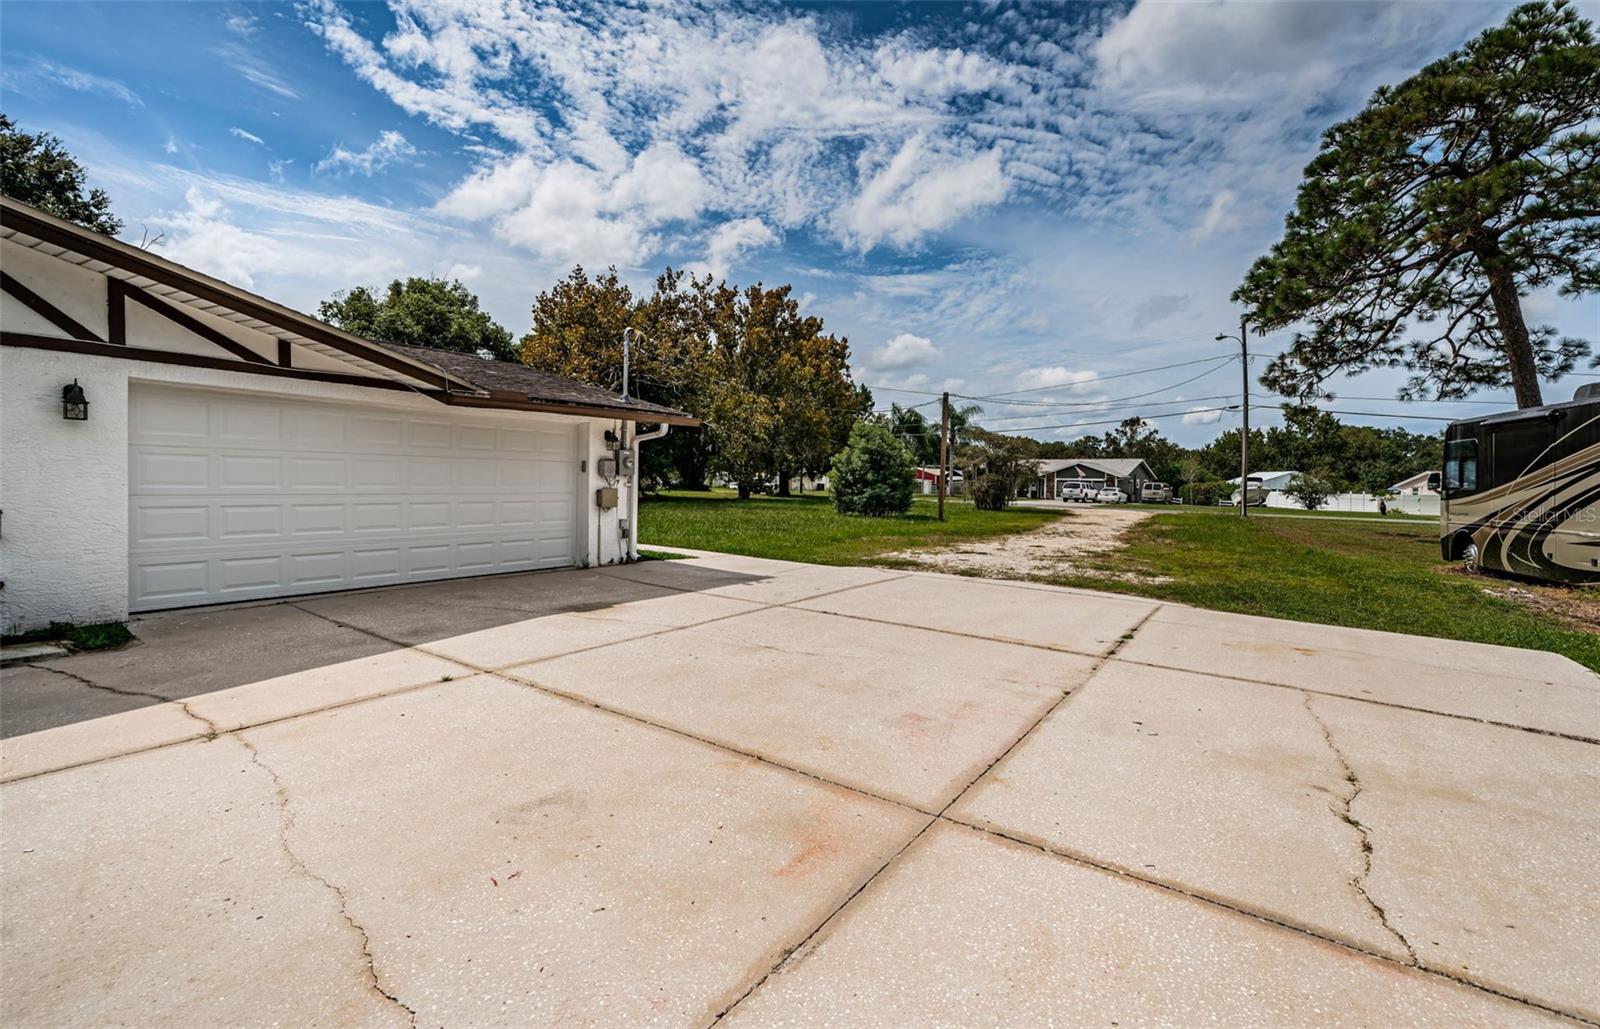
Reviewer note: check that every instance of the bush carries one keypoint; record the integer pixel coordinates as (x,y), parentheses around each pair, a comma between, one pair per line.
(1311,489)
(874,474)
(1206,493)
(991,492)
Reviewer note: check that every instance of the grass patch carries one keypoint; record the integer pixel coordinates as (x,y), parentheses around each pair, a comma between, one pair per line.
(661,555)
(807,528)
(1359,574)
(98,636)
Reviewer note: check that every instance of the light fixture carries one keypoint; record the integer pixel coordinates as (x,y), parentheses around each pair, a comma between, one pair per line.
(74,405)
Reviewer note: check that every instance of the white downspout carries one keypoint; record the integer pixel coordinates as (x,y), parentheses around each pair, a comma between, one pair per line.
(633,487)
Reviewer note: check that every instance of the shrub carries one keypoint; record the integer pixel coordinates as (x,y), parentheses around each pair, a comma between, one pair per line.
(874,474)
(1311,489)
(1206,493)
(991,492)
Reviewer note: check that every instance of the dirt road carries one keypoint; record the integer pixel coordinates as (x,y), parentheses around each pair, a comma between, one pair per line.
(1064,547)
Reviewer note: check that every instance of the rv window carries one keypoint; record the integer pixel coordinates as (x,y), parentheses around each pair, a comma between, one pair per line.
(1518,448)
(1460,466)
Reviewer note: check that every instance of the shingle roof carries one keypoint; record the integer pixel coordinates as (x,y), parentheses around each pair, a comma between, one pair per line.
(484,375)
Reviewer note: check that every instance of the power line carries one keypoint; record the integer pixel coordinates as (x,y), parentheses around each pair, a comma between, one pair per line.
(1107,400)
(1098,378)
(1115,421)
(1116,407)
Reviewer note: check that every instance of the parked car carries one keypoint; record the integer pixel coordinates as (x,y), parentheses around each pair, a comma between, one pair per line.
(1155,493)
(1111,495)
(1081,490)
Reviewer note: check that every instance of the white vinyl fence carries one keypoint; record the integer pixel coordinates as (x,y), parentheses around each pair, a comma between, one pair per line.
(1408,503)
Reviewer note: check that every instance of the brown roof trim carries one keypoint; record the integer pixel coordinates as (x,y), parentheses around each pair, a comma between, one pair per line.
(22,218)
(127,353)
(623,414)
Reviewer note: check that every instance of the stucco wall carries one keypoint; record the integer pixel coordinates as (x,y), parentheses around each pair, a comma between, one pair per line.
(64,485)
(63,491)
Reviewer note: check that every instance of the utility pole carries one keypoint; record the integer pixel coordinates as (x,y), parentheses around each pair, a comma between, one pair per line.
(944,449)
(1244,400)
(1244,437)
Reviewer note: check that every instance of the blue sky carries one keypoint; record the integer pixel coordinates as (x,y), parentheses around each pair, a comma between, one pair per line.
(983,198)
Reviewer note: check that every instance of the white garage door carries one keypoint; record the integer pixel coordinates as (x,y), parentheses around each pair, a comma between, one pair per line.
(234,497)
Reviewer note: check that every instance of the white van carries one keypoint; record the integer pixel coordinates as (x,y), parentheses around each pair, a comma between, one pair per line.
(1155,493)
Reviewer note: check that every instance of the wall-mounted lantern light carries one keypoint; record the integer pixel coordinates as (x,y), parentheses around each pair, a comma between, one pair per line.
(74,405)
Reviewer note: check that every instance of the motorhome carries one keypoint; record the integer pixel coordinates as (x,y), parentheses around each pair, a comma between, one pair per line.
(1155,493)
(1521,491)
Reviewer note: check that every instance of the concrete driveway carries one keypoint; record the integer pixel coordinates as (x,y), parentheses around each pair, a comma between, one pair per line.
(716,789)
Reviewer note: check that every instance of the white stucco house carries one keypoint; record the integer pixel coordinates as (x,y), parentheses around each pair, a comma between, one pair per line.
(233,449)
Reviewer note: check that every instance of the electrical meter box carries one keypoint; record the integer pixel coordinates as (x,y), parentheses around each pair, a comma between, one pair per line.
(625,463)
(605,498)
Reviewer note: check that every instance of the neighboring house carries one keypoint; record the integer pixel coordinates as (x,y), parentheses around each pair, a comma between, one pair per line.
(234,449)
(1125,473)
(1417,485)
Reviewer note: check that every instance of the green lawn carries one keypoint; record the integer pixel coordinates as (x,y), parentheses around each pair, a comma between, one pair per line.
(809,529)
(1347,571)
(1361,574)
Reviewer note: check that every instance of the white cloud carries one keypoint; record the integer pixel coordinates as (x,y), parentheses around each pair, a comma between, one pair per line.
(248,137)
(241,24)
(171,145)
(202,237)
(901,352)
(731,241)
(1072,381)
(919,190)
(390,146)
(277,168)
(26,75)
(1219,217)
(462,272)
(1201,416)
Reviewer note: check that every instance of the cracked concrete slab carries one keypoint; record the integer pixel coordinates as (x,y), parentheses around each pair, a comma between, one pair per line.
(185,653)
(1484,847)
(66,746)
(1467,846)
(900,712)
(1221,787)
(33,698)
(1528,688)
(1037,617)
(318,688)
(524,860)
(148,891)
(967,929)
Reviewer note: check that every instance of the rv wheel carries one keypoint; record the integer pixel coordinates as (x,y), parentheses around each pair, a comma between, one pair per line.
(1469,556)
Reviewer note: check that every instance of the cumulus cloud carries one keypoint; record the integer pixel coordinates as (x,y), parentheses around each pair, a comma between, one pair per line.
(1201,416)
(202,237)
(462,272)
(901,352)
(248,137)
(1045,378)
(731,241)
(390,146)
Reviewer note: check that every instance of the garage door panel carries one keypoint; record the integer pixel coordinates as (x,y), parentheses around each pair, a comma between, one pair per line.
(250,472)
(284,497)
(249,521)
